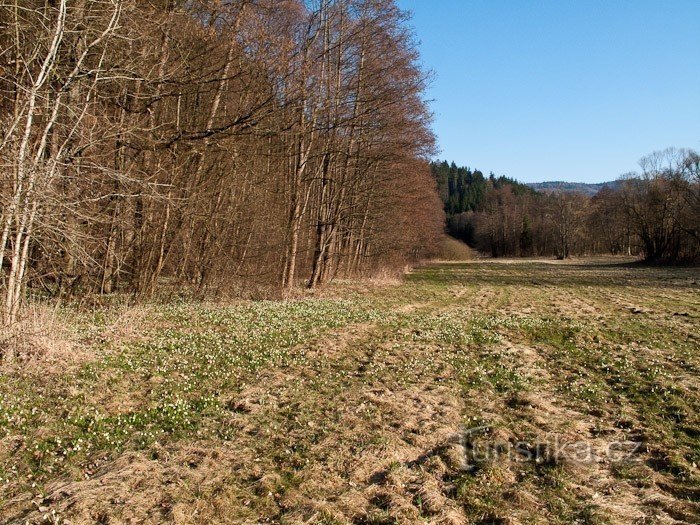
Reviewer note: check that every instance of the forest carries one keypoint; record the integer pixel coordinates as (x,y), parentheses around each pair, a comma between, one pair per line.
(217,147)
(236,287)
(653,214)
(208,145)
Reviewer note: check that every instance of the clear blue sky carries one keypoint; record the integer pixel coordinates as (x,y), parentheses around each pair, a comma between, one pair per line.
(573,90)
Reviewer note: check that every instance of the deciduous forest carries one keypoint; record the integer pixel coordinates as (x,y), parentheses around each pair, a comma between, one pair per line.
(221,145)
(236,287)
(654,214)
(209,145)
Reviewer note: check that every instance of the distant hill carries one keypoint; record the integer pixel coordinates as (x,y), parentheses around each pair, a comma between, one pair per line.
(579,187)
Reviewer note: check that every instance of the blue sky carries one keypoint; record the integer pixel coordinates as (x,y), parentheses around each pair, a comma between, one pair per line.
(573,90)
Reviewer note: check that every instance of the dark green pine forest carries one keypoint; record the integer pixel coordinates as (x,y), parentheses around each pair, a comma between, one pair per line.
(653,214)
(464,191)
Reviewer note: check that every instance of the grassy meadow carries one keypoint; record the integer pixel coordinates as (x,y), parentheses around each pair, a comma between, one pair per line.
(479,392)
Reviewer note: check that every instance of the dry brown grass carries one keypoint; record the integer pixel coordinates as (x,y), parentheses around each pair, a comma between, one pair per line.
(49,337)
(452,249)
(42,334)
(372,420)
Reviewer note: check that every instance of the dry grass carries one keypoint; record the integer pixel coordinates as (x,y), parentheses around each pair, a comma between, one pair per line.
(373,403)
(42,335)
(452,249)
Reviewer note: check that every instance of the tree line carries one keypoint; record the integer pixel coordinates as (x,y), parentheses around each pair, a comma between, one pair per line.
(654,213)
(208,143)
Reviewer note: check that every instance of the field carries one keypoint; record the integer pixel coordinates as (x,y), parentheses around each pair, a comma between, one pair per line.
(484,392)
